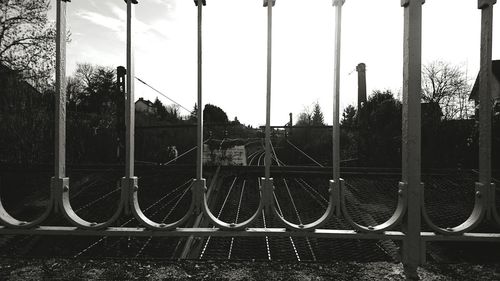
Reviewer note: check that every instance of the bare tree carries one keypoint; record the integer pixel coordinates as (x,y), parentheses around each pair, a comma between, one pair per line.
(27,39)
(447,85)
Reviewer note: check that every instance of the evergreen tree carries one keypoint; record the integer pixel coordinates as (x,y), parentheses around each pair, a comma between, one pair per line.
(317,116)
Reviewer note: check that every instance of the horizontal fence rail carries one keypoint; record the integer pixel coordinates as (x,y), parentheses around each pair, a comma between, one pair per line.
(410,213)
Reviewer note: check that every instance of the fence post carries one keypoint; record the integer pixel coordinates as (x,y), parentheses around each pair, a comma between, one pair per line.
(485,98)
(335,183)
(199,113)
(267,186)
(411,133)
(268,92)
(199,184)
(59,181)
(130,181)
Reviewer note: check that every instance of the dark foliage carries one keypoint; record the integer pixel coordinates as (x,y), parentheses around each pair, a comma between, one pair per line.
(379,123)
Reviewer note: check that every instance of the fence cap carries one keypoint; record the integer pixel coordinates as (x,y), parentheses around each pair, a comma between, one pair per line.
(405,3)
(266,1)
(481,4)
(338,2)
(204,2)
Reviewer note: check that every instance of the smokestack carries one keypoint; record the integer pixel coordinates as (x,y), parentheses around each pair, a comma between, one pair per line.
(361,69)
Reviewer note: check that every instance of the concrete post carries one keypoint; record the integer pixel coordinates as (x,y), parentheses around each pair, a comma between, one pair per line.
(336,92)
(199,142)
(60,99)
(60,181)
(129,181)
(411,133)
(485,101)
(129,104)
(267,159)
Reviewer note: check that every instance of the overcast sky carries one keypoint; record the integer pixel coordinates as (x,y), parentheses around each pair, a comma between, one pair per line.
(234,50)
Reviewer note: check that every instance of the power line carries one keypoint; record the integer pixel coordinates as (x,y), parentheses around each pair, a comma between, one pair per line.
(152,88)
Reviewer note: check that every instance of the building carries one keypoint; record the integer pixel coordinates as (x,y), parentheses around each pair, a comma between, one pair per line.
(495,88)
(144,106)
(15,93)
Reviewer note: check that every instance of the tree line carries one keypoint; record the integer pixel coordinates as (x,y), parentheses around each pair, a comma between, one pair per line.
(370,135)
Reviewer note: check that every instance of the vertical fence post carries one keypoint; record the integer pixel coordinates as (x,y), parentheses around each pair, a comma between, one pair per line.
(199,150)
(268,92)
(267,181)
(59,182)
(411,133)
(335,183)
(130,181)
(199,184)
(485,98)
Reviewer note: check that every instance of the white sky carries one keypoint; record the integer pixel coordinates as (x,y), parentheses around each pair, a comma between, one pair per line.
(234,50)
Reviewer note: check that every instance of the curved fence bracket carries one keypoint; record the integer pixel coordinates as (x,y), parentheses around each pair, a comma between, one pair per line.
(9,221)
(203,201)
(475,218)
(333,203)
(133,186)
(62,187)
(395,219)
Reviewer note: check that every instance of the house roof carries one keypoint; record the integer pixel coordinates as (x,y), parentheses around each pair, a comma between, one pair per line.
(6,71)
(495,68)
(147,102)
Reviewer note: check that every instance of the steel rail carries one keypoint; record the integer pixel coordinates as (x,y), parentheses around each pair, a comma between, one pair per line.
(220,213)
(298,216)
(313,196)
(8,220)
(392,222)
(266,237)
(148,223)
(183,154)
(329,212)
(278,162)
(87,186)
(253,155)
(236,218)
(280,213)
(97,200)
(318,195)
(232,226)
(76,220)
(164,219)
(260,158)
(474,219)
(145,210)
(305,154)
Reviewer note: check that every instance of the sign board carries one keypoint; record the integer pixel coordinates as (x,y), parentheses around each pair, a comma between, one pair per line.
(231,156)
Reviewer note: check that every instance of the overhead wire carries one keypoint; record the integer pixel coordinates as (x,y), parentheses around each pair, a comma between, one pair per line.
(165,96)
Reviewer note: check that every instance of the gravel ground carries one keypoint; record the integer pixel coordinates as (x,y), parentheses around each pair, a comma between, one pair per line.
(127,269)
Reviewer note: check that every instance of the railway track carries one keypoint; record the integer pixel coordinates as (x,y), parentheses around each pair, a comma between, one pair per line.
(300,198)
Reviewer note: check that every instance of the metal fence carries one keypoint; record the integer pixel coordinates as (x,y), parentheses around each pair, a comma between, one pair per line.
(408,217)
